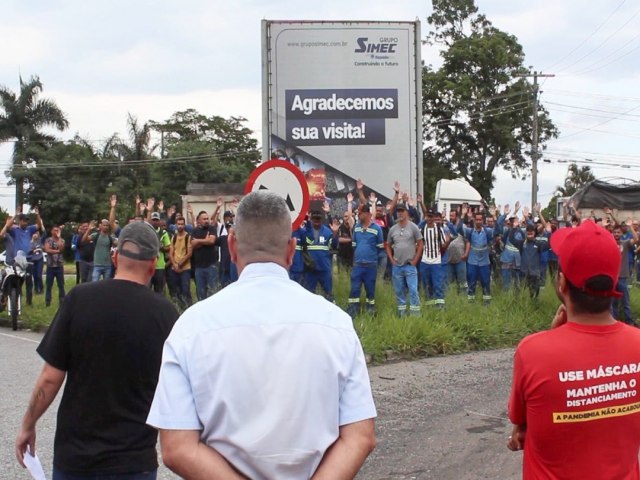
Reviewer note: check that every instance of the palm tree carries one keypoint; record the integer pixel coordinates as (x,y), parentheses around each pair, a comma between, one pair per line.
(577,177)
(21,119)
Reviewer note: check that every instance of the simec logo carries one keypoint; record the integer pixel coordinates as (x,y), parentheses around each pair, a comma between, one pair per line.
(384,45)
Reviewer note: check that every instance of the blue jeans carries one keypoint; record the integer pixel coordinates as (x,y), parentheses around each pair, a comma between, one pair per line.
(623,288)
(103,271)
(458,274)
(432,278)
(38,266)
(405,280)
(206,279)
(58,274)
(149,475)
(180,285)
(510,275)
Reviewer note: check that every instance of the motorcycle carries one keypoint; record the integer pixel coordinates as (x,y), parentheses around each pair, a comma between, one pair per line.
(13,277)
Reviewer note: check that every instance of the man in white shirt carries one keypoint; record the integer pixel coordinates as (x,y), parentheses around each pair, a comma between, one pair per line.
(264,380)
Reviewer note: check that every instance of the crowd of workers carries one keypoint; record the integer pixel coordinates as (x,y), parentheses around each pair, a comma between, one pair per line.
(420,250)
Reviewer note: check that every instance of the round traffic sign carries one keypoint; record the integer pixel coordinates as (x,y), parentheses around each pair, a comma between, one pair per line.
(287,181)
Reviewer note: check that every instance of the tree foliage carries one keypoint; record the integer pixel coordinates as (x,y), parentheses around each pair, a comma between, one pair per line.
(22,118)
(74,180)
(576,178)
(477,113)
(203,149)
(68,183)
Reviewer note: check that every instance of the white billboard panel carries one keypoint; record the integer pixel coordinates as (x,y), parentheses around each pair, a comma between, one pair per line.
(342,100)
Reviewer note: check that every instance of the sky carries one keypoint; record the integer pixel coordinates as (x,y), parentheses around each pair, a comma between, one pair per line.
(100,61)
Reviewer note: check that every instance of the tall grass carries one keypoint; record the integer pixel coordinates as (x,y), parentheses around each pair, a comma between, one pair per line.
(459,327)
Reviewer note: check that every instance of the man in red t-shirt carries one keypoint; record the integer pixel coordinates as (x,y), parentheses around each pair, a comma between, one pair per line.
(575,398)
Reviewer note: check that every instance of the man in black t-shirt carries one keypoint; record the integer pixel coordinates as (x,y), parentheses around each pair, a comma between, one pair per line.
(106,339)
(205,256)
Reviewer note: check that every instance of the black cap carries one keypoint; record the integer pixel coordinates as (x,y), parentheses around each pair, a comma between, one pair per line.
(430,212)
(364,208)
(228,213)
(401,206)
(316,214)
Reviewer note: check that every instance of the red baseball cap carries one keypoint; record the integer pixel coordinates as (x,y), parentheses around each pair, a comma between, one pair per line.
(587,251)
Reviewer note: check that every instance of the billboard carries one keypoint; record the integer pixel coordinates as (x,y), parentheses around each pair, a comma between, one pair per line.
(342,101)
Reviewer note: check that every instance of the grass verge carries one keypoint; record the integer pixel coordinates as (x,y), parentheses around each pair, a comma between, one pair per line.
(459,327)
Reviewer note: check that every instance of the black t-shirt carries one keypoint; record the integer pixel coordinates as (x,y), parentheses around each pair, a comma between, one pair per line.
(108,337)
(345,249)
(205,255)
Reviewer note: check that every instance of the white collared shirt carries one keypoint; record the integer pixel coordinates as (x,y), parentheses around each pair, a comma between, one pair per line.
(267,371)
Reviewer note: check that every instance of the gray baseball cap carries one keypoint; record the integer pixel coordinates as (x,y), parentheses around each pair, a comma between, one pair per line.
(139,241)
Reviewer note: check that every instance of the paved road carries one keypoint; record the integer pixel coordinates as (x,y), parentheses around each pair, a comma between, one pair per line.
(438,418)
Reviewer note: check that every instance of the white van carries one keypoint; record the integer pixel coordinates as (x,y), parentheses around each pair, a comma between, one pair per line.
(450,194)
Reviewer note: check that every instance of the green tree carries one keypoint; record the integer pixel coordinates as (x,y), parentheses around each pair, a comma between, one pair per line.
(576,178)
(132,158)
(202,149)
(69,182)
(22,117)
(477,114)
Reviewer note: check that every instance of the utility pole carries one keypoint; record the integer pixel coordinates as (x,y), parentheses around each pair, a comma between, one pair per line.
(534,135)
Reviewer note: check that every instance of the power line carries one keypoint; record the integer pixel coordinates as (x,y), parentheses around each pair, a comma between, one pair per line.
(609,63)
(594,127)
(124,164)
(601,44)
(591,109)
(587,38)
(573,93)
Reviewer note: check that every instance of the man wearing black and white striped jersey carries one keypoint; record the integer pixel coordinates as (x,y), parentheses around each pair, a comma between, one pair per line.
(432,277)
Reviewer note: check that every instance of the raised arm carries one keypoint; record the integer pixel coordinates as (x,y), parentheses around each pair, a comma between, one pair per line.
(39,223)
(113,201)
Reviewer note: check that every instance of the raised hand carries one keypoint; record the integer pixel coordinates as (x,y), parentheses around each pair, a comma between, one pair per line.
(335,225)
(525,211)
(161,206)
(219,202)
(325,207)
(373,198)
(516,207)
(396,186)
(150,203)
(419,198)
(113,201)
(349,197)
(507,209)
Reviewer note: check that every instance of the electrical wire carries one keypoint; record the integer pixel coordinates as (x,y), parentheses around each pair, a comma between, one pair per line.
(587,38)
(637,12)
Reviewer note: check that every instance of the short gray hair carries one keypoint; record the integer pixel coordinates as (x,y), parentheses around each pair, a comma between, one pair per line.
(263,223)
